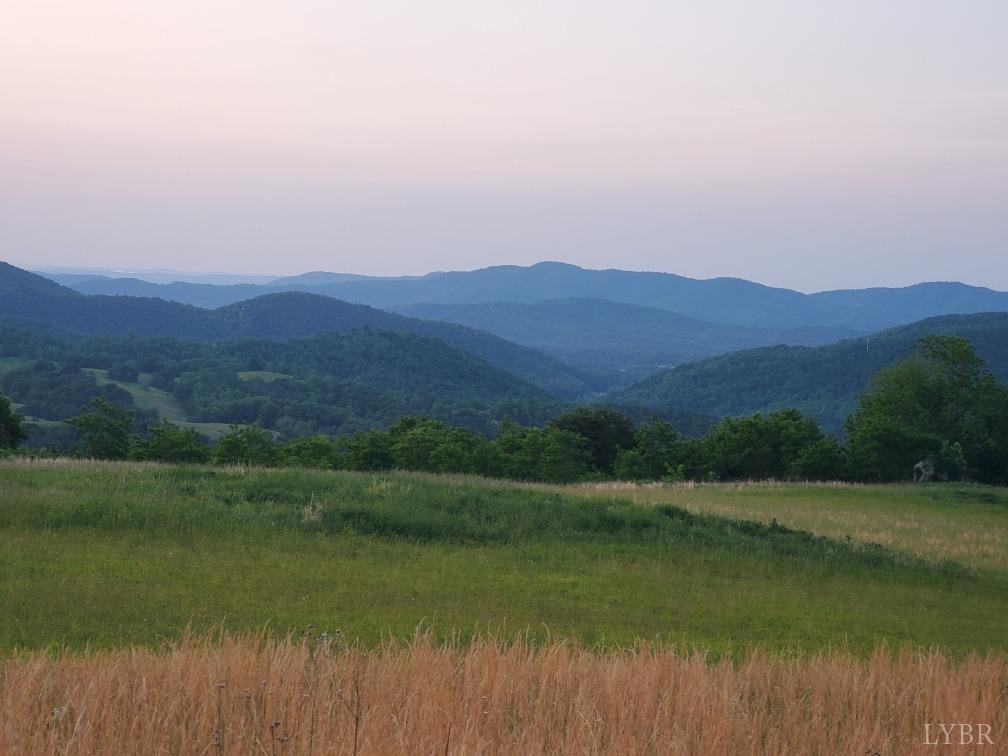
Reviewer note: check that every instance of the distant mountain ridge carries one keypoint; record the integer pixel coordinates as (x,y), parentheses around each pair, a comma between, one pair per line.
(822,381)
(917,302)
(720,301)
(590,338)
(197,294)
(67,276)
(321,278)
(639,340)
(28,300)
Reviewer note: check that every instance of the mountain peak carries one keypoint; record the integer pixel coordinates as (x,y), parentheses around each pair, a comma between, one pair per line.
(554,265)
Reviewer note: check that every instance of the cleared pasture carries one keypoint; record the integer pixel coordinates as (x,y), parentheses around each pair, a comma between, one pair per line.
(107,554)
(963,522)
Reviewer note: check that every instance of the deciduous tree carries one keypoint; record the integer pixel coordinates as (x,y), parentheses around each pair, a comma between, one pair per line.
(941,403)
(104,431)
(12,432)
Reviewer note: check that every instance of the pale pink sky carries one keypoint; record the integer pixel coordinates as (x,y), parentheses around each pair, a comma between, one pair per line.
(812,145)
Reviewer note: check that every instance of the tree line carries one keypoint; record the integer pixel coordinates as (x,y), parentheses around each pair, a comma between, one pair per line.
(941,405)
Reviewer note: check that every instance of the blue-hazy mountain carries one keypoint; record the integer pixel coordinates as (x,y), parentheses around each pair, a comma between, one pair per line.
(912,303)
(321,277)
(720,301)
(636,340)
(68,276)
(197,294)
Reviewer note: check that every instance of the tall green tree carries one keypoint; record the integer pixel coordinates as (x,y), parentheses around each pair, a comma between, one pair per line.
(415,441)
(463,451)
(759,446)
(940,403)
(12,432)
(310,451)
(173,443)
(517,450)
(104,431)
(565,457)
(659,452)
(370,450)
(606,430)
(245,445)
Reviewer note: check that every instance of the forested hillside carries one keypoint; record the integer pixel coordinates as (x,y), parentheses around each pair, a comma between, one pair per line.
(608,341)
(823,382)
(31,301)
(327,384)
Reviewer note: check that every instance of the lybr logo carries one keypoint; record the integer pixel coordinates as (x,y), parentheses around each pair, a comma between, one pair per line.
(957,734)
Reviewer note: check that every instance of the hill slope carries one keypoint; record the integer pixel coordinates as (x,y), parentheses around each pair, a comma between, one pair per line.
(328,384)
(587,332)
(823,382)
(30,300)
(25,296)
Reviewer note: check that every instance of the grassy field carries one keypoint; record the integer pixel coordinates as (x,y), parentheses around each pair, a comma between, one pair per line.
(962,522)
(147,397)
(144,395)
(13,363)
(268,376)
(112,554)
(162,607)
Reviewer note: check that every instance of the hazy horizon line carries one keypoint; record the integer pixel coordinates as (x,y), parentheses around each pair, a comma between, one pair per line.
(265,279)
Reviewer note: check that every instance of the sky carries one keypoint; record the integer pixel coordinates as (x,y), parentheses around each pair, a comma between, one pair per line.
(813,145)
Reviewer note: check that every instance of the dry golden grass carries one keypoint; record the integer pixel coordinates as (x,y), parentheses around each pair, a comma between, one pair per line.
(927,522)
(255,695)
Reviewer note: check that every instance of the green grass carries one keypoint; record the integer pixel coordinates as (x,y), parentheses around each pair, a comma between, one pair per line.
(267,376)
(13,363)
(144,395)
(962,522)
(147,397)
(108,554)
(211,430)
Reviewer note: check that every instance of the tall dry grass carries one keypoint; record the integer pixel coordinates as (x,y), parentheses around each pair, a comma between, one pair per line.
(931,523)
(490,697)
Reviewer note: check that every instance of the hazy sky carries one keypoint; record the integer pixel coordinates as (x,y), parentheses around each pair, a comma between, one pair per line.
(808,144)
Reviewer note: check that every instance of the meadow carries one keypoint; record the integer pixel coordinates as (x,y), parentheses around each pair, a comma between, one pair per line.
(679,619)
(146,397)
(962,522)
(104,554)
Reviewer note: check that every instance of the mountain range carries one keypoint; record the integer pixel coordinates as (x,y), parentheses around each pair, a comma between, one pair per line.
(721,301)
(609,327)
(29,300)
(757,349)
(590,332)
